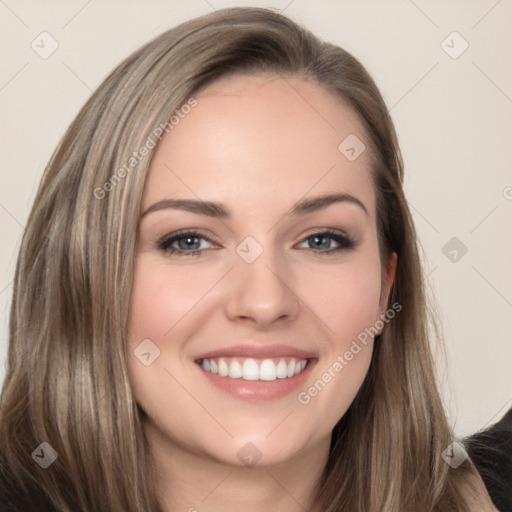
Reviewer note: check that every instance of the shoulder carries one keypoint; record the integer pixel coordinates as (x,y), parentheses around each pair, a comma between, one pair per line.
(491,452)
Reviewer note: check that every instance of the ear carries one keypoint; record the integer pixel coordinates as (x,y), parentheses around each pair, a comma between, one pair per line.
(388,277)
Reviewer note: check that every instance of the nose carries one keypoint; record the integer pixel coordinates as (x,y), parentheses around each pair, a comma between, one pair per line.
(261,293)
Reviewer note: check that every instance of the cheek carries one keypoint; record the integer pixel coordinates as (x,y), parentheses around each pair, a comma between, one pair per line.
(345,298)
(169,305)
(160,301)
(162,297)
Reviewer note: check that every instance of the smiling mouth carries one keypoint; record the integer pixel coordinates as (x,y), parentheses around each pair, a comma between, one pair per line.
(252,369)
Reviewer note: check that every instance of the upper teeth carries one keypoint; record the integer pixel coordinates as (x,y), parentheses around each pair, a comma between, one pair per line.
(254,369)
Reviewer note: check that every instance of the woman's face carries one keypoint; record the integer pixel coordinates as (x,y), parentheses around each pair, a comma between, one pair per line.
(232,312)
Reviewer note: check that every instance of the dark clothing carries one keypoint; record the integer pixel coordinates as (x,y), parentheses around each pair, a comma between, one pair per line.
(491,453)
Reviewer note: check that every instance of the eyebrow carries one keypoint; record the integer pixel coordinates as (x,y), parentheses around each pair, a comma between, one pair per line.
(218,210)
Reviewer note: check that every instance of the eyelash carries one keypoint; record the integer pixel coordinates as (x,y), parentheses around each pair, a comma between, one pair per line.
(164,244)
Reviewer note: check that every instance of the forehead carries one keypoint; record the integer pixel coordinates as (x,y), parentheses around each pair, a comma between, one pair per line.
(261,141)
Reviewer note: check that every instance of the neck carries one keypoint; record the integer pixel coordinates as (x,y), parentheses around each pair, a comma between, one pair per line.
(194,482)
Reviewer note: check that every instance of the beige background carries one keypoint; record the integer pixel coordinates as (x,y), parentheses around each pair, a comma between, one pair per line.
(453,116)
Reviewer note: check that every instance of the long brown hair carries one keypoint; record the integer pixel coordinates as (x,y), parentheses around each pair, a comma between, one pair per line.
(67,381)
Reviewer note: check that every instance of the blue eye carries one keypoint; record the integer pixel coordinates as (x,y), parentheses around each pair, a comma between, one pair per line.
(323,241)
(187,243)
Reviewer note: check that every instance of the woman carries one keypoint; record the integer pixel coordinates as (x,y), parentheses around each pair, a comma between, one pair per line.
(218,301)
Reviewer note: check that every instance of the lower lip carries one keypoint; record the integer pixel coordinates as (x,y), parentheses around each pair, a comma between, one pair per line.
(259,390)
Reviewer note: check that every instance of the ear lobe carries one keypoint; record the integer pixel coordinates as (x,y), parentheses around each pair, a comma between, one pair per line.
(387,281)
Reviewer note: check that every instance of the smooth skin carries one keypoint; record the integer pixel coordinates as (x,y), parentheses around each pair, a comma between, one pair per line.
(257,145)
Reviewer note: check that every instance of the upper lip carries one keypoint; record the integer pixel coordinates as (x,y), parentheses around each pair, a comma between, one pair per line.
(256,351)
